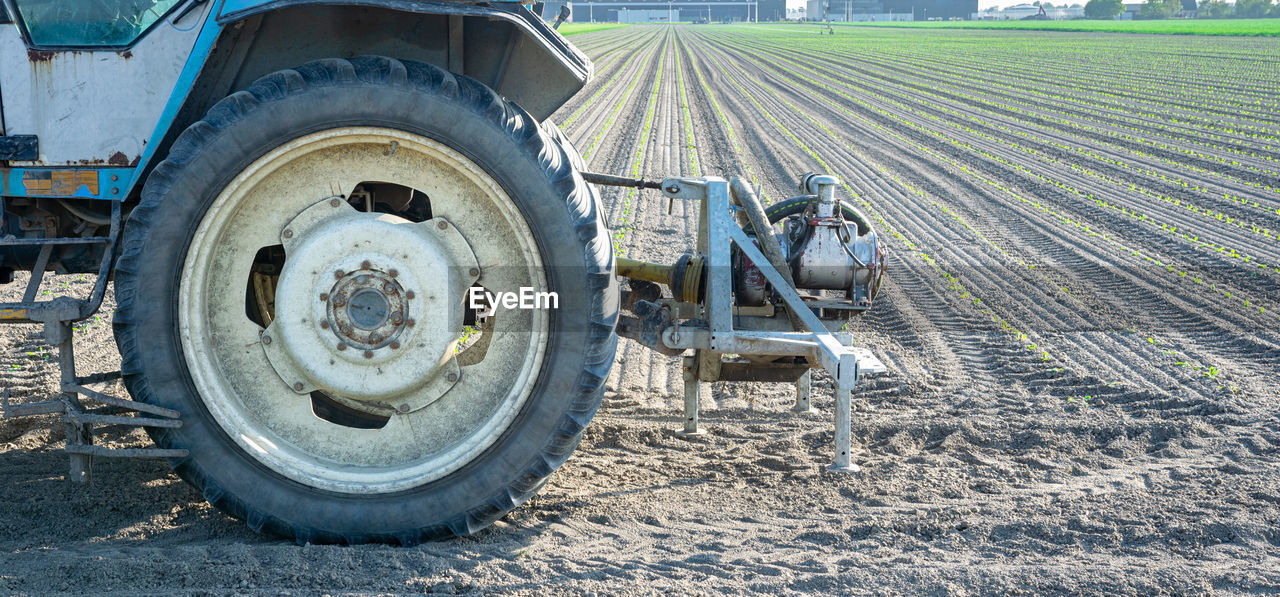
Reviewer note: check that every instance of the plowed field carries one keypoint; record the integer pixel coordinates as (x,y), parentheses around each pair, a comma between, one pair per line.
(1081,323)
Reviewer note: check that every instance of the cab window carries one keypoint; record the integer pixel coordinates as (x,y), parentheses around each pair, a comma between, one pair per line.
(89,23)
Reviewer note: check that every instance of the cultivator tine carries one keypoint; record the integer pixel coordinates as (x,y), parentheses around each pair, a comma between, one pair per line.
(124,404)
(803,387)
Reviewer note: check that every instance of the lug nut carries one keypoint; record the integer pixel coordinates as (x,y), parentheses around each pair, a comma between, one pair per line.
(473,272)
(397,318)
(324,296)
(395,345)
(404,408)
(346,328)
(297,387)
(368,354)
(324,325)
(339,299)
(389,288)
(453,377)
(334,203)
(442,225)
(408,294)
(393,273)
(342,346)
(339,274)
(375,338)
(409,323)
(288,234)
(365,264)
(266,339)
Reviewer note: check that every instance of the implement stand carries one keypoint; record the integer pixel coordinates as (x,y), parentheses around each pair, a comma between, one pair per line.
(57,315)
(722,330)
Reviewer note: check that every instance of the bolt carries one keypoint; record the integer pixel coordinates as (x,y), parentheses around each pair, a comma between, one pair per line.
(404,408)
(115,191)
(443,225)
(365,264)
(339,299)
(395,345)
(324,325)
(397,318)
(297,387)
(453,377)
(342,346)
(339,274)
(324,296)
(389,288)
(114,178)
(473,272)
(346,329)
(393,273)
(375,338)
(368,354)
(334,203)
(409,323)
(266,339)
(673,189)
(288,234)
(408,295)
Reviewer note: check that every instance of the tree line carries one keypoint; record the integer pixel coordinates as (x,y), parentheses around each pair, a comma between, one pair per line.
(1207,9)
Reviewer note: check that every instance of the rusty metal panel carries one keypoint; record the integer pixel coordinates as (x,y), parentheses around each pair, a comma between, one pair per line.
(93,107)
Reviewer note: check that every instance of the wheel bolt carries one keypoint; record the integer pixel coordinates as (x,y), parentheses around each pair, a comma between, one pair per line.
(324,296)
(368,354)
(297,387)
(375,338)
(443,225)
(397,318)
(453,377)
(365,264)
(389,288)
(473,271)
(334,203)
(404,408)
(409,323)
(266,339)
(339,299)
(288,234)
(409,294)
(395,345)
(324,325)
(393,273)
(342,346)
(346,328)
(339,274)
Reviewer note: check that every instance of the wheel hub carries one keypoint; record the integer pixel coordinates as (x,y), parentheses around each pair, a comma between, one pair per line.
(366,309)
(369,306)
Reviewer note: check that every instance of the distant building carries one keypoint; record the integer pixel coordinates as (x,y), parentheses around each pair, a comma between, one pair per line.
(1023,11)
(863,10)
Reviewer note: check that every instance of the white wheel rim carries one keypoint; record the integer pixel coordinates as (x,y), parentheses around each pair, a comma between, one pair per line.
(262,412)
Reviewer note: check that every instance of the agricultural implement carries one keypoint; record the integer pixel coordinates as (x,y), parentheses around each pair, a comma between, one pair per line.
(316,216)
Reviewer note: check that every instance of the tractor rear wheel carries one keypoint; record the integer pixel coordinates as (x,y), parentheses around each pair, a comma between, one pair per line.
(296,282)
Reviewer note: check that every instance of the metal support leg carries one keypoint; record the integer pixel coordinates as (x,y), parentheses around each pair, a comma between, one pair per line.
(844,443)
(692,396)
(79,434)
(803,386)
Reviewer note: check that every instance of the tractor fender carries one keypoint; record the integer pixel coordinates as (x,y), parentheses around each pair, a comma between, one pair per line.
(500,44)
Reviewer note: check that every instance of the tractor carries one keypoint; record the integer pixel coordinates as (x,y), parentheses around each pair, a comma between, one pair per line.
(315,216)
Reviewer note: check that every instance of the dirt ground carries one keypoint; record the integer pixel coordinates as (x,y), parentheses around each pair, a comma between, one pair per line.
(1079,400)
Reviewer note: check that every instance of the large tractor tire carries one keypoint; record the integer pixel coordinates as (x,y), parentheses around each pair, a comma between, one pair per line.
(294,282)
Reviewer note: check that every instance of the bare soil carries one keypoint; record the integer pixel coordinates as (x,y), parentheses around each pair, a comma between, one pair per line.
(1079,400)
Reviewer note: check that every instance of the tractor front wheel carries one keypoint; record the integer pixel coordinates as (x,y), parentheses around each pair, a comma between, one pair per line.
(298,282)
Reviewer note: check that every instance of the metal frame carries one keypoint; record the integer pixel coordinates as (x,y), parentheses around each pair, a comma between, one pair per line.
(718,233)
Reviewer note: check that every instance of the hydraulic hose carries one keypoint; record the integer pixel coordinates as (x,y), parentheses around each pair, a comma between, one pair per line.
(743,195)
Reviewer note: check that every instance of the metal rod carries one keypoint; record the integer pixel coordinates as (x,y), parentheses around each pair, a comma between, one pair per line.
(609,180)
(692,396)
